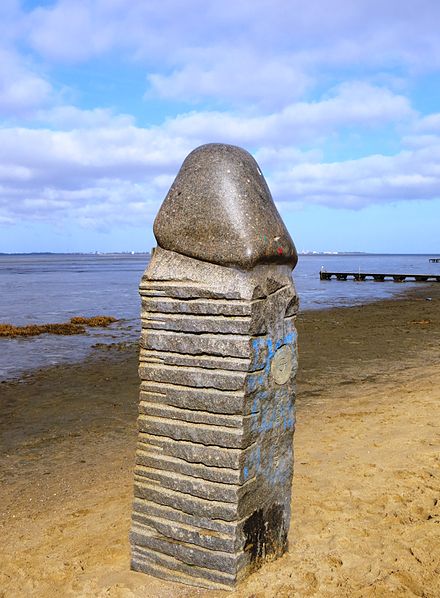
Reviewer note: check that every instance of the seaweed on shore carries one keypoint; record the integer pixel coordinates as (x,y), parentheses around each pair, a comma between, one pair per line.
(95,321)
(77,325)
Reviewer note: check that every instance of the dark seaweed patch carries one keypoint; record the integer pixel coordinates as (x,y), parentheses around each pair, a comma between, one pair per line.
(265,533)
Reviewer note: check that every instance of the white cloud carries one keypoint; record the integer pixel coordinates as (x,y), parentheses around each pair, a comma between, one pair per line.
(400,29)
(258,51)
(69,158)
(235,75)
(11,22)
(410,174)
(97,176)
(266,59)
(21,89)
(70,117)
(353,104)
(428,124)
(73,30)
(116,172)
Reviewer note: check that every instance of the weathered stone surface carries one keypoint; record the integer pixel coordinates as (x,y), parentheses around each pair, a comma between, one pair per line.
(195,306)
(218,361)
(193,376)
(189,415)
(164,566)
(171,274)
(233,345)
(186,533)
(142,506)
(202,433)
(197,323)
(185,551)
(191,485)
(220,210)
(212,509)
(210,399)
(155,459)
(211,362)
(194,452)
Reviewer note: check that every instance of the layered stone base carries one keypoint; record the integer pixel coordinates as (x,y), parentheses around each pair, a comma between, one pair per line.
(216,417)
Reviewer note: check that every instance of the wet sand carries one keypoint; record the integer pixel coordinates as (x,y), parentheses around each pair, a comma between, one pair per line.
(366,498)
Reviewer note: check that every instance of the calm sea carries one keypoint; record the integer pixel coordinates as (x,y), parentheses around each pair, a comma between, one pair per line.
(54,288)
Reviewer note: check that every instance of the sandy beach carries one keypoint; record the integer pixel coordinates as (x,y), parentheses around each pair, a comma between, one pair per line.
(366,497)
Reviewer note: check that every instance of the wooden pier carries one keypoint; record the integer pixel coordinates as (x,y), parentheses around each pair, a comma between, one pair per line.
(361,276)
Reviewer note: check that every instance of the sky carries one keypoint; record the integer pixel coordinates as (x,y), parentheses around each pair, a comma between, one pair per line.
(338,101)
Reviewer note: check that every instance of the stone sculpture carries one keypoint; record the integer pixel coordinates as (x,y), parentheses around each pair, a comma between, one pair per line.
(218,360)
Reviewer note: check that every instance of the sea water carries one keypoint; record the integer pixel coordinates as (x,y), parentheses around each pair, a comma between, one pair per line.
(55,288)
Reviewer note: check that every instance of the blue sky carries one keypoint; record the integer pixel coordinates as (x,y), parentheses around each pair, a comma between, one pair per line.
(101,100)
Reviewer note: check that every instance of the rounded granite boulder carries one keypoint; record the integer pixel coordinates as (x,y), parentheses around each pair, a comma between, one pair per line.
(219,209)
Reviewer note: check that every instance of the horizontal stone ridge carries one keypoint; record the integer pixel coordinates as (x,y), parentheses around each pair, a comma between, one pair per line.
(213,399)
(212,455)
(187,484)
(195,298)
(189,415)
(184,551)
(181,532)
(183,290)
(219,324)
(203,428)
(143,506)
(164,304)
(154,458)
(196,343)
(172,569)
(192,376)
(210,362)
(170,286)
(184,501)
(207,434)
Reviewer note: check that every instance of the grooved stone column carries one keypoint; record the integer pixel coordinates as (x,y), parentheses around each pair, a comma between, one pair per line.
(218,361)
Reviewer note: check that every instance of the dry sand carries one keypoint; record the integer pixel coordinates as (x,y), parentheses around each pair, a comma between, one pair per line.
(366,499)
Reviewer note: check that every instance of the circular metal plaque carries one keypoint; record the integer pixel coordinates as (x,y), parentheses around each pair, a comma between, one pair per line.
(282,364)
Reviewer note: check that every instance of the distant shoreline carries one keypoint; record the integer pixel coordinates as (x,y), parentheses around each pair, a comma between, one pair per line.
(141,253)
(93,253)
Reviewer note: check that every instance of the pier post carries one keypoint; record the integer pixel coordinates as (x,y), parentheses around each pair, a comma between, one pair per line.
(218,361)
